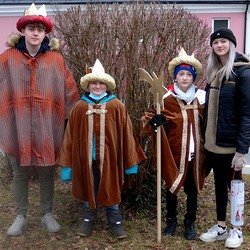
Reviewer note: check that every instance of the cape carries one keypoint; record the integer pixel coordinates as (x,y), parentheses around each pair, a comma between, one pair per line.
(36,96)
(175,138)
(117,149)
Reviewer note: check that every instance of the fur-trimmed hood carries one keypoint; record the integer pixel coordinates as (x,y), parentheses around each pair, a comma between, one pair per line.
(241,60)
(13,41)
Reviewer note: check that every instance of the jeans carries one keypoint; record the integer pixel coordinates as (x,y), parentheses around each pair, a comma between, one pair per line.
(96,175)
(114,207)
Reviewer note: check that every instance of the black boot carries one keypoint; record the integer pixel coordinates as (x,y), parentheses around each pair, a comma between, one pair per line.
(115,224)
(190,232)
(89,216)
(171,225)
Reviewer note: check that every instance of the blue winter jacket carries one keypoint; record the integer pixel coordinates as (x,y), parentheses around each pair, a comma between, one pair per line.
(233,119)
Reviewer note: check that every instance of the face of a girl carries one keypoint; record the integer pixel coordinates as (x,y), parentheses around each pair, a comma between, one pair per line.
(97,88)
(184,79)
(221,46)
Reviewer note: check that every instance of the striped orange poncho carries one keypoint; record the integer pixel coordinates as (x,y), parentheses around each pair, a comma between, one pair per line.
(36,96)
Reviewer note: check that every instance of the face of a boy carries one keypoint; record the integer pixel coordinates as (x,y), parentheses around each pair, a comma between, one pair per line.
(184,79)
(97,88)
(34,35)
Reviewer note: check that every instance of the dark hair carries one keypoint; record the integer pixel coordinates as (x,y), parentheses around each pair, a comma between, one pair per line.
(38,25)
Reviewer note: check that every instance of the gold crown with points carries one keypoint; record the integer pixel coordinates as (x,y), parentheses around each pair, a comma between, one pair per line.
(183,58)
(34,11)
(97,73)
(34,15)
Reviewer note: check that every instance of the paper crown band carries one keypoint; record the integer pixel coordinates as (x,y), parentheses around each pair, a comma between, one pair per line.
(97,73)
(34,15)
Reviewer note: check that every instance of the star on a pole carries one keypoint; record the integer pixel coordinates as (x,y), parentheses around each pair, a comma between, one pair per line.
(155,82)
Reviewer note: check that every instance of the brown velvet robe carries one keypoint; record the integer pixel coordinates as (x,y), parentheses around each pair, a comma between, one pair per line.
(175,138)
(117,149)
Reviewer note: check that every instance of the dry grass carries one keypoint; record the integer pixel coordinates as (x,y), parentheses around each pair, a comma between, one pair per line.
(142,229)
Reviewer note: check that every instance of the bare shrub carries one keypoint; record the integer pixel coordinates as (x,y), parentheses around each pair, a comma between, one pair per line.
(6,172)
(125,37)
(5,167)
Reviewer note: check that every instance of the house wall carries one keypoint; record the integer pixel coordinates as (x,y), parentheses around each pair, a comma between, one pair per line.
(8,26)
(235,12)
(236,24)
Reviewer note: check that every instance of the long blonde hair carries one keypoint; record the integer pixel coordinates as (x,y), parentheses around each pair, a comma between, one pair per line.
(215,66)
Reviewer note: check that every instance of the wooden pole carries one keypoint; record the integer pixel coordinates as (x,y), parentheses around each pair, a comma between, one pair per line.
(158,138)
(158,92)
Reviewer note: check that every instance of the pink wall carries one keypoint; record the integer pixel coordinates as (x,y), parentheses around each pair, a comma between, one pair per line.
(8,26)
(236,22)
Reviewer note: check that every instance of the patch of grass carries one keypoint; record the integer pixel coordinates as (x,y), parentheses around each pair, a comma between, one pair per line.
(141,226)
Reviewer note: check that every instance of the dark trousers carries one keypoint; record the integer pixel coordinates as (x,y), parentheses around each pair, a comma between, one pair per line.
(191,202)
(96,175)
(223,173)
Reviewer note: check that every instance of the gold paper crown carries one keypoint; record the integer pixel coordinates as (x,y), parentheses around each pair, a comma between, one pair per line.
(34,11)
(184,58)
(97,73)
(34,15)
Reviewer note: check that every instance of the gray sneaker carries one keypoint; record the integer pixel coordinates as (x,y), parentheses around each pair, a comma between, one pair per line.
(18,226)
(49,222)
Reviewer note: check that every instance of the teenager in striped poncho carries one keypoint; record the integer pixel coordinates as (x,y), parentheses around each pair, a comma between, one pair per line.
(36,94)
